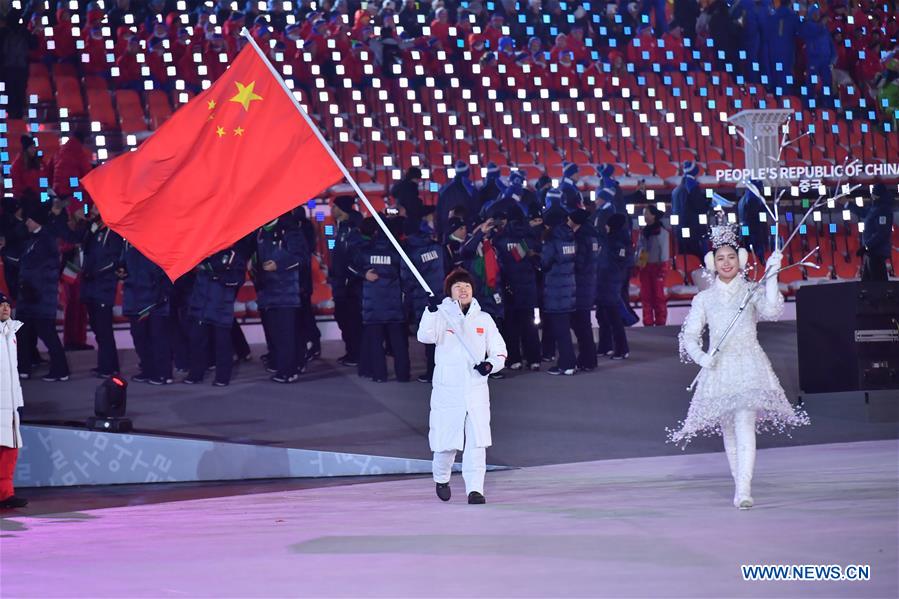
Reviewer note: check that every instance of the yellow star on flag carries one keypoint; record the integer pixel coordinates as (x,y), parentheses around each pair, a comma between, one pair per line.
(220,131)
(238,131)
(245,95)
(211,104)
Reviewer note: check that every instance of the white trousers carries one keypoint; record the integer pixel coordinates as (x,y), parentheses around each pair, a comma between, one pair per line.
(739,444)
(474,463)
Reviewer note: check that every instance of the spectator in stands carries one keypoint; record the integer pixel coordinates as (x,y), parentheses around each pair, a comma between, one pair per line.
(38,295)
(158,66)
(277,281)
(672,52)
(612,266)
(877,236)
(747,19)
(276,15)
(10,404)
(63,40)
(779,35)
(653,257)
(586,259)
(115,18)
(212,310)
(15,43)
(129,67)
(457,232)
(28,169)
(346,289)
(145,301)
(820,52)
(686,13)
(378,264)
(559,286)
(408,19)
(427,256)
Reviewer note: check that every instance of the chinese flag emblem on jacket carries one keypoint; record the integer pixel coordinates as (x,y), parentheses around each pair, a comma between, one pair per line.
(232,159)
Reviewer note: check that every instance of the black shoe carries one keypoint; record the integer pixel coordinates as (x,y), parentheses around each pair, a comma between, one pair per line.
(103,375)
(13,502)
(55,379)
(444,492)
(619,356)
(424,379)
(475,498)
(271,370)
(161,381)
(219,384)
(497,376)
(547,358)
(140,378)
(313,354)
(586,368)
(245,358)
(349,362)
(285,379)
(190,381)
(24,376)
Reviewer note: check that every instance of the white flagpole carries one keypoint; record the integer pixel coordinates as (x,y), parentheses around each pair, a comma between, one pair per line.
(337,160)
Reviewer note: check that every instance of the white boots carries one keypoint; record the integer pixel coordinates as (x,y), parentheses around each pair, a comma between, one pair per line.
(739,444)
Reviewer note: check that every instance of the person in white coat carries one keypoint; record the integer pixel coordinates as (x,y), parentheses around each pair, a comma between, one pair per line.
(10,402)
(737,391)
(469,349)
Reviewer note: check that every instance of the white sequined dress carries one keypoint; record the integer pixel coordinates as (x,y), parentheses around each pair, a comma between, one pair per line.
(741,377)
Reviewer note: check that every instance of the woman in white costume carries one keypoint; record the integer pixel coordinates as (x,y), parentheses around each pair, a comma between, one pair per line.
(737,392)
(469,348)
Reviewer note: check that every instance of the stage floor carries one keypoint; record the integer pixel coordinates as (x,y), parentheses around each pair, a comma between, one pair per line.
(660,526)
(620,410)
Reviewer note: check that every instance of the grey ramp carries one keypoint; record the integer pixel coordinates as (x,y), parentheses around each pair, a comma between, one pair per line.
(620,410)
(65,457)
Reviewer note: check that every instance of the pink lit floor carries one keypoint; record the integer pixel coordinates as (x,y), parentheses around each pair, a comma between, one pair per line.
(657,526)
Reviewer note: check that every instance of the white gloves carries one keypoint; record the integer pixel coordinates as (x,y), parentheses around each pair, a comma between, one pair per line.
(707,360)
(773,263)
(775,260)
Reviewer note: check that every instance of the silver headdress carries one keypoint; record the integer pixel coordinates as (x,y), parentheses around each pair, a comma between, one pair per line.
(724,234)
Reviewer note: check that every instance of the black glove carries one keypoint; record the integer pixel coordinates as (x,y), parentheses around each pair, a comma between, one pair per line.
(432,303)
(484,368)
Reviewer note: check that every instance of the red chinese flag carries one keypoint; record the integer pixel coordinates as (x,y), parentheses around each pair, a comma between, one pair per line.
(234,158)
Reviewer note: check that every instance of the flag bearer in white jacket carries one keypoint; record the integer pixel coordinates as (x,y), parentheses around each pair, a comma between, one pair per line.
(10,402)
(469,348)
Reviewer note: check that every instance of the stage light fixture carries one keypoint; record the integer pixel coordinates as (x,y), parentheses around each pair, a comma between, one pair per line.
(110,401)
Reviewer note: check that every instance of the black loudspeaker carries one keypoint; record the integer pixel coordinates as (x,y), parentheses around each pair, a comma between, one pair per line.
(848,336)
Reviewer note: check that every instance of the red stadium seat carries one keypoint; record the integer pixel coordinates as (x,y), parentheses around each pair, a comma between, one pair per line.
(158,107)
(131,111)
(68,96)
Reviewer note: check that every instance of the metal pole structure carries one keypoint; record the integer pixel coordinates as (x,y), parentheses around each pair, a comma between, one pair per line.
(350,180)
